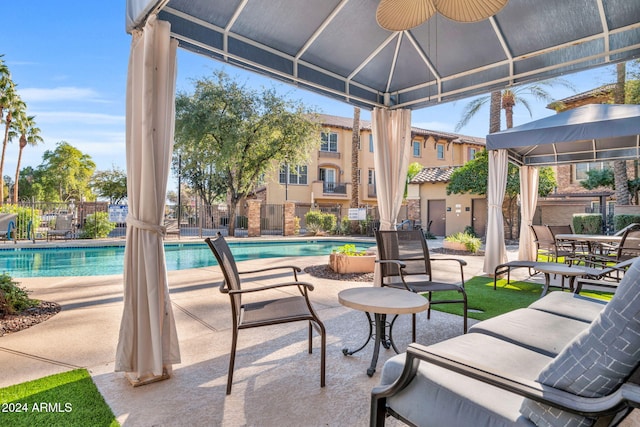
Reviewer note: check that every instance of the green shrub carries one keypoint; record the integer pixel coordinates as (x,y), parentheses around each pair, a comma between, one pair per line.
(318,221)
(621,221)
(587,223)
(470,242)
(470,231)
(296,225)
(13,298)
(97,226)
(345,226)
(349,249)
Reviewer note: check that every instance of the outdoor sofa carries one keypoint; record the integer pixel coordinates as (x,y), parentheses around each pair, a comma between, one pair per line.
(566,360)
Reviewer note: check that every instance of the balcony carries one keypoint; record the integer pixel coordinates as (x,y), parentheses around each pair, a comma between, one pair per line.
(328,155)
(331,190)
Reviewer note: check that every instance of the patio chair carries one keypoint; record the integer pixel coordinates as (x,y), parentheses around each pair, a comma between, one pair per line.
(406,264)
(62,227)
(7,224)
(546,244)
(268,310)
(629,247)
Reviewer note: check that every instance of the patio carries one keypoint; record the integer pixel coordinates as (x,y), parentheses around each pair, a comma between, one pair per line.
(275,382)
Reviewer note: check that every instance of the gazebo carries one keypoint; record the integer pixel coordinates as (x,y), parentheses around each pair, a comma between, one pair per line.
(337,48)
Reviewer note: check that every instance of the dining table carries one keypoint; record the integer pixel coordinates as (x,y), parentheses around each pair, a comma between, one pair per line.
(595,243)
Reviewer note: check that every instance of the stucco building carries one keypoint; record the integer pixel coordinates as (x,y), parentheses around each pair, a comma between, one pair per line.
(325,181)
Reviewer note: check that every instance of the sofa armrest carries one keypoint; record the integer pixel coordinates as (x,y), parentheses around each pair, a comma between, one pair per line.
(627,395)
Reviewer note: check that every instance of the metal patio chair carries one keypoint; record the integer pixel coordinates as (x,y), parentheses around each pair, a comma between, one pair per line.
(406,264)
(268,311)
(546,244)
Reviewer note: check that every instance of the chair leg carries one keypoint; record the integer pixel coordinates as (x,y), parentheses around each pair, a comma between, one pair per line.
(310,337)
(429,308)
(464,324)
(413,327)
(232,359)
(323,352)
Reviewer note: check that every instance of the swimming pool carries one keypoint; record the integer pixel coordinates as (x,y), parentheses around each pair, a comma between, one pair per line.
(104,260)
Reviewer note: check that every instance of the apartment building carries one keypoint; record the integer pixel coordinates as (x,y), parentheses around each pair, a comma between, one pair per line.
(326,180)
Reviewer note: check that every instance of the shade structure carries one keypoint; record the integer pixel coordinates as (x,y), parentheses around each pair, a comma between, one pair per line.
(595,132)
(148,344)
(337,48)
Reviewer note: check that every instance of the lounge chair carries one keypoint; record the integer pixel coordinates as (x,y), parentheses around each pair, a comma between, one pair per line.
(566,360)
(406,264)
(265,312)
(63,227)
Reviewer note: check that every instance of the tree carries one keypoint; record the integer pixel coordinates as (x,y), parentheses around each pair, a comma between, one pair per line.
(15,107)
(412,170)
(65,173)
(472,178)
(227,130)
(620,166)
(31,184)
(110,184)
(355,143)
(29,135)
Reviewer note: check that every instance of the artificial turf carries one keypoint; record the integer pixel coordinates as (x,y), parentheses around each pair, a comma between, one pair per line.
(484,303)
(68,399)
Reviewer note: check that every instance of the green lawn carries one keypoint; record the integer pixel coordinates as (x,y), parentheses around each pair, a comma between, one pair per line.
(69,399)
(485,303)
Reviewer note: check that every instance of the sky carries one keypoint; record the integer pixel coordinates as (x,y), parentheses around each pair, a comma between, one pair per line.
(69,61)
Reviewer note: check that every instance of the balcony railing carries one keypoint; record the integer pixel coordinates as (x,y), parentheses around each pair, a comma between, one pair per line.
(371,190)
(331,189)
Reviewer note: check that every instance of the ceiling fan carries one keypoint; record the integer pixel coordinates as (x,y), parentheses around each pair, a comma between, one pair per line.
(399,15)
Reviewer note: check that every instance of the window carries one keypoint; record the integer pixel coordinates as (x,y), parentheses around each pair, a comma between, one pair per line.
(581,169)
(440,150)
(371,180)
(329,142)
(371,143)
(328,177)
(295,175)
(472,153)
(416,148)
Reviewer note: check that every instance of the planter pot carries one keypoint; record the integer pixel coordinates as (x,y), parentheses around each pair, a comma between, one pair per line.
(455,246)
(343,264)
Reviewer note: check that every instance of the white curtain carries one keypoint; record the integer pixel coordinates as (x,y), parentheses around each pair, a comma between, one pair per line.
(528,202)
(391,131)
(391,149)
(496,251)
(148,342)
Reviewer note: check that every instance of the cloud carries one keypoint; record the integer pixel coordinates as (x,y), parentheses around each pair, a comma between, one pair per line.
(78,117)
(56,94)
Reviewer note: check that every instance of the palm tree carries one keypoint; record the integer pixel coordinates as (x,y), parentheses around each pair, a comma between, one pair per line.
(509,98)
(620,166)
(355,142)
(15,107)
(29,135)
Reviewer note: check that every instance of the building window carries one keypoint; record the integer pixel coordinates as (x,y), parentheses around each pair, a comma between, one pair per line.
(371,179)
(440,150)
(371,143)
(328,177)
(581,169)
(295,175)
(472,153)
(329,142)
(416,148)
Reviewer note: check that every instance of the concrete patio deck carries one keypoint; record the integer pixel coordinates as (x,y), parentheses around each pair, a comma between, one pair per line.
(276,382)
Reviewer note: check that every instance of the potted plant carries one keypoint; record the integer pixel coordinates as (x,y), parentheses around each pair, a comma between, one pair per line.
(347,259)
(462,242)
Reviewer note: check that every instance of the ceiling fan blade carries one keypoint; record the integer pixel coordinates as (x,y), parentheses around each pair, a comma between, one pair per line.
(399,15)
(469,10)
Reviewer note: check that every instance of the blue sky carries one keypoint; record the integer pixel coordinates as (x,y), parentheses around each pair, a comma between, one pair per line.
(69,60)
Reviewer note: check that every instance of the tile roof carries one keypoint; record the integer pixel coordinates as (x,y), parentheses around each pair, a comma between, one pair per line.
(347,123)
(436,174)
(601,90)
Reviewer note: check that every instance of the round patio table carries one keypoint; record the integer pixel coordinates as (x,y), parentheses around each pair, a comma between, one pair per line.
(380,301)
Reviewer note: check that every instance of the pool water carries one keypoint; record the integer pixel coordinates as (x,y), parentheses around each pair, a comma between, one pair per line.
(105,260)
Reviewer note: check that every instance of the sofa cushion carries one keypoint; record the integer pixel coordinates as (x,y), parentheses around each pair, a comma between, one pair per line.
(440,397)
(536,330)
(568,304)
(599,359)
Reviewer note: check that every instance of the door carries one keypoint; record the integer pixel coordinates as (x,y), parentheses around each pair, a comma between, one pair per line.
(436,216)
(479,216)
(328,176)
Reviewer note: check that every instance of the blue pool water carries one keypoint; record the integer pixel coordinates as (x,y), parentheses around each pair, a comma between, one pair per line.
(103,260)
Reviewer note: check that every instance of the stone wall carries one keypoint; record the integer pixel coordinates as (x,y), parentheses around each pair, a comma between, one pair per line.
(253,218)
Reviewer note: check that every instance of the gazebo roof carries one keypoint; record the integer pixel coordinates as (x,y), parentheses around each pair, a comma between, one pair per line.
(336,47)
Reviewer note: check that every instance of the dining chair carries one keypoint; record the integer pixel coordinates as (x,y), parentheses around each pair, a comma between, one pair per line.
(546,244)
(629,247)
(406,264)
(265,311)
